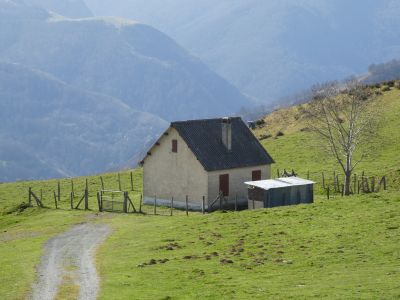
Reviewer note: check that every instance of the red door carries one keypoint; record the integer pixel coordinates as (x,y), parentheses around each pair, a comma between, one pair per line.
(224,184)
(256,175)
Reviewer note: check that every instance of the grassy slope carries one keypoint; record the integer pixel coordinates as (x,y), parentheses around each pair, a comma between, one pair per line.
(301,151)
(338,249)
(344,248)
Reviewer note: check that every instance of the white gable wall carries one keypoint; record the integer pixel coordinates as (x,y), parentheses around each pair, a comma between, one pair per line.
(167,174)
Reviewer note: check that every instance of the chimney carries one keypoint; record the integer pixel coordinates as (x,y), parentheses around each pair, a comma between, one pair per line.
(227,133)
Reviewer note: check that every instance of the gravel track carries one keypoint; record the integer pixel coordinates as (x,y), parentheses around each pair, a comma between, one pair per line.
(71,254)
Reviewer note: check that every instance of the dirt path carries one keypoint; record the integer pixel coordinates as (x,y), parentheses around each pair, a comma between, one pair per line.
(71,255)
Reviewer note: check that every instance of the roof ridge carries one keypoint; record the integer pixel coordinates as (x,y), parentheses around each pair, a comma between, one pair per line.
(202,120)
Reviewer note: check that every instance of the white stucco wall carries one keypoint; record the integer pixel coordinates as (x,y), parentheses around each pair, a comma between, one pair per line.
(237,177)
(167,174)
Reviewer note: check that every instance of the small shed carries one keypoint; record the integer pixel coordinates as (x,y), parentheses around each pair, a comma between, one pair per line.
(280,192)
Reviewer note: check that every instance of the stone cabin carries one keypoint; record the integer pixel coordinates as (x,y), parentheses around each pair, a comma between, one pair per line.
(203,158)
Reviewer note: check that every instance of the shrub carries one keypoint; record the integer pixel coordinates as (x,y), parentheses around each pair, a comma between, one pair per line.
(280,133)
(386,88)
(305,129)
(260,122)
(377,85)
(390,83)
(265,136)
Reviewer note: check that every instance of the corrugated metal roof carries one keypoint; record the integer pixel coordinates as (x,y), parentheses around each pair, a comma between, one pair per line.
(279,182)
(204,138)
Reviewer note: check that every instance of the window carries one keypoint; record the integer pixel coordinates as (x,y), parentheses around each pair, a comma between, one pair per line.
(256,175)
(175,146)
(224,184)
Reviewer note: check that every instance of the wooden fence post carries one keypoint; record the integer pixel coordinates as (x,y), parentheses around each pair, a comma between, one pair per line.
(203,204)
(72,185)
(236,202)
(55,199)
(172,206)
(342,189)
(355,183)
(86,199)
(308,174)
(72,200)
(99,201)
(384,182)
(327,192)
(140,203)
(125,208)
(187,205)
(323,179)
(86,184)
(373,184)
(155,205)
(30,196)
(119,181)
(102,183)
(277,173)
(59,191)
(367,185)
(131,181)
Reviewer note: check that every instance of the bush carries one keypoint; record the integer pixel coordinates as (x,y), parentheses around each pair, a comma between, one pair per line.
(386,88)
(280,133)
(260,122)
(390,83)
(265,136)
(377,85)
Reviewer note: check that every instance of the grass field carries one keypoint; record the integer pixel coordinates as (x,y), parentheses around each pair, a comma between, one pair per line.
(344,248)
(338,249)
(301,150)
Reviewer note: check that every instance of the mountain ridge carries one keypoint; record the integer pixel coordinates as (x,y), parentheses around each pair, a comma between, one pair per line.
(51,135)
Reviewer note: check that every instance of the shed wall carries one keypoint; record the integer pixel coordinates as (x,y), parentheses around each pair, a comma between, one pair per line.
(290,195)
(237,177)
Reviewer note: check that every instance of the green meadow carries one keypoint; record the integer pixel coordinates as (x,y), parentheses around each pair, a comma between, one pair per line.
(342,248)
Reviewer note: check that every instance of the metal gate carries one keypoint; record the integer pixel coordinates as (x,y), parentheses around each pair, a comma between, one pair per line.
(115,201)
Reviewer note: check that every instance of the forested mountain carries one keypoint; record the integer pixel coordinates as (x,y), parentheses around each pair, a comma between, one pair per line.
(49,128)
(274,48)
(83,95)
(121,58)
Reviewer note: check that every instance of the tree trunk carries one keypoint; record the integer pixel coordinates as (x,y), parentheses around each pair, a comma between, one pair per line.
(347,175)
(347,183)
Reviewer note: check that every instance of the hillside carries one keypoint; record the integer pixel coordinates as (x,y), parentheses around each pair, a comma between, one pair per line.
(120,58)
(344,248)
(51,129)
(140,76)
(301,150)
(271,49)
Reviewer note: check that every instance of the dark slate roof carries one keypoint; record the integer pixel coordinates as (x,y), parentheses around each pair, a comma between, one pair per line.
(204,138)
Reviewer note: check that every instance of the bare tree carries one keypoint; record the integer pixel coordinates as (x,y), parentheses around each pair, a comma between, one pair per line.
(341,117)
